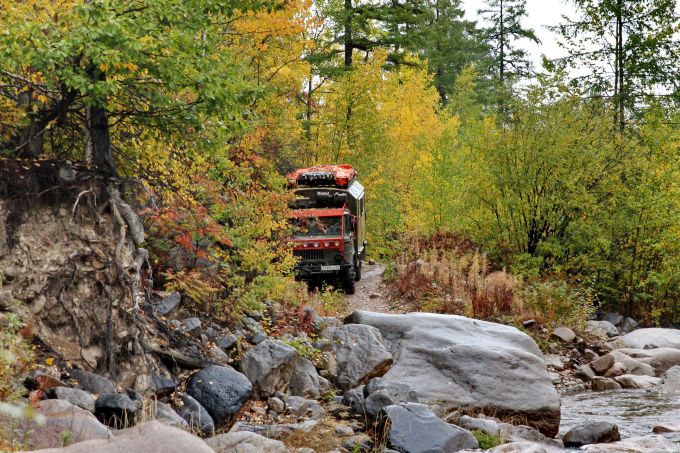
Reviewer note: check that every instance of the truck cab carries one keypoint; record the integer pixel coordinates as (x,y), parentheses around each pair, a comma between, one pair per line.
(328,216)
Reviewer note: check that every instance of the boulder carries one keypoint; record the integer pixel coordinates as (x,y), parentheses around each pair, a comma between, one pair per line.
(645,444)
(117,410)
(226,342)
(221,390)
(632,381)
(585,373)
(632,365)
(354,399)
(613,318)
(148,437)
(169,303)
(651,338)
(196,416)
(564,334)
(269,366)
(81,398)
(63,418)
(193,326)
(461,362)
(602,364)
(162,386)
(413,428)
(525,447)
(601,384)
(555,361)
(618,369)
(305,380)
(660,359)
(93,383)
(302,407)
(628,325)
(245,442)
(166,414)
(671,380)
(360,354)
(608,328)
(379,393)
(592,432)
(666,428)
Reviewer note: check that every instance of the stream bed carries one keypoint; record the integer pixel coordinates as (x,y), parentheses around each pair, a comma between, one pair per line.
(635,412)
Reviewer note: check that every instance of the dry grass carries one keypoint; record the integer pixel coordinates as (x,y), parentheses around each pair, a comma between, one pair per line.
(321,438)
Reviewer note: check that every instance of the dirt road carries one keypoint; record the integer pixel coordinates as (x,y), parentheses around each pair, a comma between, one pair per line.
(371,293)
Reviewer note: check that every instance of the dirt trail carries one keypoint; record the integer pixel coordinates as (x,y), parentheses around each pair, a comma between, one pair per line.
(371,293)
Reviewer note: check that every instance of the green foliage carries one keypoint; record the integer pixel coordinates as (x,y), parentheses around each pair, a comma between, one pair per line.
(555,303)
(16,357)
(486,440)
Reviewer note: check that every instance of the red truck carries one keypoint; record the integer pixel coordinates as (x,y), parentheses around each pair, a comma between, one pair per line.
(328,214)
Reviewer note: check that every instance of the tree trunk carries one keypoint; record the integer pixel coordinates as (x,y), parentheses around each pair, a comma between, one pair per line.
(349,44)
(98,146)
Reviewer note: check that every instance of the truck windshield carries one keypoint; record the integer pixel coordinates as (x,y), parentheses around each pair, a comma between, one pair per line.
(317,227)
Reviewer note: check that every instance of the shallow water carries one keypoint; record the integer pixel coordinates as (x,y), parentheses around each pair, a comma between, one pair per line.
(635,412)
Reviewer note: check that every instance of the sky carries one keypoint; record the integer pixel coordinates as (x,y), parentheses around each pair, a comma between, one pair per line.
(540,13)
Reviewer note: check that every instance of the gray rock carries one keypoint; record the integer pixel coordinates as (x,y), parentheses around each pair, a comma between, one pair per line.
(151,437)
(117,410)
(276,405)
(354,399)
(379,393)
(517,433)
(219,356)
(360,355)
(275,431)
(645,444)
(196,416)
(632,381)
(555,361)
(660,359)
(257,338)
(344,430)
(358,442)
(193,326)
(671,380)
(651,338)
(485,425)
(601,384)
(590,355)
(608,328)
(221,390)
(413,428)
(226,342)
(633,366)
(592,432)
(166,414)
(162,386)
(628,325)
(245,442)
(93,383)
(585,373)
(324,385)
(602,364)
(564,334)
(613,318)
(525,447)
(305,380)
(269,366)
(302,407)
(456,361)
(77,397)
(169,303)
(618,369)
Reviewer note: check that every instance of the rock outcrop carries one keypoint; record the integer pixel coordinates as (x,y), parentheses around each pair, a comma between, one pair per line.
(462,362)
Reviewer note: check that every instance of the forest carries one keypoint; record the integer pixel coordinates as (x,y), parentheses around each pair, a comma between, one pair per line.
(558,184)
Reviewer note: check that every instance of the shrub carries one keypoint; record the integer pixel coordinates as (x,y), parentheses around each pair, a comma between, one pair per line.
(15,360)
(555,302)
(486,440)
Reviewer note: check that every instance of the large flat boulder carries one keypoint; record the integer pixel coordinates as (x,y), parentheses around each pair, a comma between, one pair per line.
(651,338)
(461,362)
(148,437)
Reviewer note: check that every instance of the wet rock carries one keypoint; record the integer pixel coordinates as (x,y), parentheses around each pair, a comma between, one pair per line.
(605,326)
(245,442)
(93,383)
(456,361)
(666,428)
(602,364)
(601,384)
(413,428)
(166,414)
(592,432)
(169,303)
(302,407)
(645,444)
(269,366)
(226,342)
(193,327)
(196,416)
(379,393)
(77,397)
(221,390)
(632,381)
(564,334)
(652,338)
(63,417)
(671,380)
(117,410)
(152,436)
(360,355)
(660,359)
(305,380)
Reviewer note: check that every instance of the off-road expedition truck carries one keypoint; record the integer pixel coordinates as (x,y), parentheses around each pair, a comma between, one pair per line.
(328,215)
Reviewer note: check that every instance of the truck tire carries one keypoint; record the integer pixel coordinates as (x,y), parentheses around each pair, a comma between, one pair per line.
(349,282)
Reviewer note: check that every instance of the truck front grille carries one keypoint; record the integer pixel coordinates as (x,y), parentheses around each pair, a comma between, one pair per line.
(310,254)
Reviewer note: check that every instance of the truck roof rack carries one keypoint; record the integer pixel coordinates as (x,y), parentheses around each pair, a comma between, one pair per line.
(340,176)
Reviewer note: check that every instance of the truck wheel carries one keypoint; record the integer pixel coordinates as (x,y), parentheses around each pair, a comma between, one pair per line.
(357,267)
(349,282)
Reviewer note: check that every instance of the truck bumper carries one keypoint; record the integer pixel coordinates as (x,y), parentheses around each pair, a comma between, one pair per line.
(305,270)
